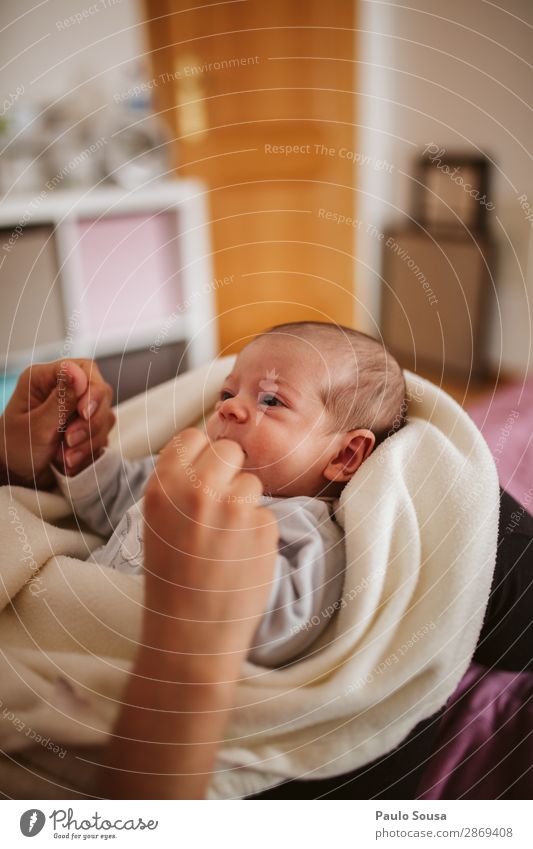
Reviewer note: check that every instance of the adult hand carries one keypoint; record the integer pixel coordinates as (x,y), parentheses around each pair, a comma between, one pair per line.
(59,410)
(208,543)
(210,553)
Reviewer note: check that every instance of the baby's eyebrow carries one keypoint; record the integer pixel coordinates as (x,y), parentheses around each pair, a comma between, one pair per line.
(279,379)
(274,380)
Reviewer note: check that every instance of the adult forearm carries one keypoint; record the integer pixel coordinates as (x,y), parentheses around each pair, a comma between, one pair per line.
(168,733)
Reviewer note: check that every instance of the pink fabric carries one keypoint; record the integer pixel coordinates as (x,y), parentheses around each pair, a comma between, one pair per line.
(485,745)
(506,424)
(484,749)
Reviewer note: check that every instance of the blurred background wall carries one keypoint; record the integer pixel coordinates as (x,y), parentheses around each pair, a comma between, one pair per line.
(49,57)
(457,74)
(305,121)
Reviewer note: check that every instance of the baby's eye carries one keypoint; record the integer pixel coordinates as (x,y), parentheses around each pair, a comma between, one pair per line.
(224,395)
(270,400)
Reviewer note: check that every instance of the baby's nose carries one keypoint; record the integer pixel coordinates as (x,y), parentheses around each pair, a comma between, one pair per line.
(233,408)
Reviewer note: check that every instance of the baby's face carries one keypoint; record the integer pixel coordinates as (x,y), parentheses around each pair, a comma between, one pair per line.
(270,405)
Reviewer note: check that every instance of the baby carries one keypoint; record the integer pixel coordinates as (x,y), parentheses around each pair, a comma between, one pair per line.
(307,402)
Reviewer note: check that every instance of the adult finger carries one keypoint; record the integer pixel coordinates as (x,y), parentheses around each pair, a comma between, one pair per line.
(39,380)
(76,376)
(83,439)
(185,446)
(175,465)
(53,394)
(84,453)
(98,423)
(79,431)
(97,397)
(220,462)
(247,488)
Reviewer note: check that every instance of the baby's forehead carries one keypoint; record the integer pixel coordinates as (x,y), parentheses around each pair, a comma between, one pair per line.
(290,358)
(295,349)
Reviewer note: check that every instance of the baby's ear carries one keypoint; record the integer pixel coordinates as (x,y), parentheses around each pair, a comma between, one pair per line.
(356,446)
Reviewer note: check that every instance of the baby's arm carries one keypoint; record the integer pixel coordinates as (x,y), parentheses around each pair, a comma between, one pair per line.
(308,581)
(102,493)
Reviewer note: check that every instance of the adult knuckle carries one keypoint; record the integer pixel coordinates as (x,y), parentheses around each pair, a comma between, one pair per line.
(99,441)
(85,363)
(226,443)
(251,482)
(95,429)
(197,506)
(195,496)
(25,375)
(233,516)
(229,449)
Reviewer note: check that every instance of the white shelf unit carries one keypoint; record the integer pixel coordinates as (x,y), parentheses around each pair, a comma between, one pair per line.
(108,287)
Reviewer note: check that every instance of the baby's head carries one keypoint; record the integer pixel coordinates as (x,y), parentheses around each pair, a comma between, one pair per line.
(308,402)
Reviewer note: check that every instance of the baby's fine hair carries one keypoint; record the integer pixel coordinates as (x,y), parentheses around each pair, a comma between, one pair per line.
(366,388)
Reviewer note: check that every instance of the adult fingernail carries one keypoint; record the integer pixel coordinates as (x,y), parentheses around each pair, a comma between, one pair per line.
(89,409)
(74,458)
(75,438)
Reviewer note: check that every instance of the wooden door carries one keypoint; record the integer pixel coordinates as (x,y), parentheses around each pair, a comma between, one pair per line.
(259,99)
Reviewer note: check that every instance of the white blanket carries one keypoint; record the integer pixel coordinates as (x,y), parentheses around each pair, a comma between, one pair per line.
(421,520)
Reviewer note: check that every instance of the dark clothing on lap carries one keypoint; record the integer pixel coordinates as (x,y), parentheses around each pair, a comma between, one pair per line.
(505,642)
(506,639)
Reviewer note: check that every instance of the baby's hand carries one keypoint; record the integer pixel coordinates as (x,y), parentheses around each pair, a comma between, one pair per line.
(87,431)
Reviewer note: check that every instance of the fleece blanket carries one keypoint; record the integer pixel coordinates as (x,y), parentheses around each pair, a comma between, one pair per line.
(420,519)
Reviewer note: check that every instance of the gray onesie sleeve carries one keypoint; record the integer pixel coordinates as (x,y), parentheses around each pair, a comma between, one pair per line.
(105,490)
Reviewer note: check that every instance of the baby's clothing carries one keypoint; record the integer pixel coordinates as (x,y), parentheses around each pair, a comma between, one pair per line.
(309,572)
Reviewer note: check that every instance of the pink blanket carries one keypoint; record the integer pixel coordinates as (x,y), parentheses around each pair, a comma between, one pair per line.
(506,422)
(485,744)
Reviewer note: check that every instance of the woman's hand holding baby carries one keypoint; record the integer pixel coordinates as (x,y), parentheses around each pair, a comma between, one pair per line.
(59,411)
(218,550)
(88,430)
